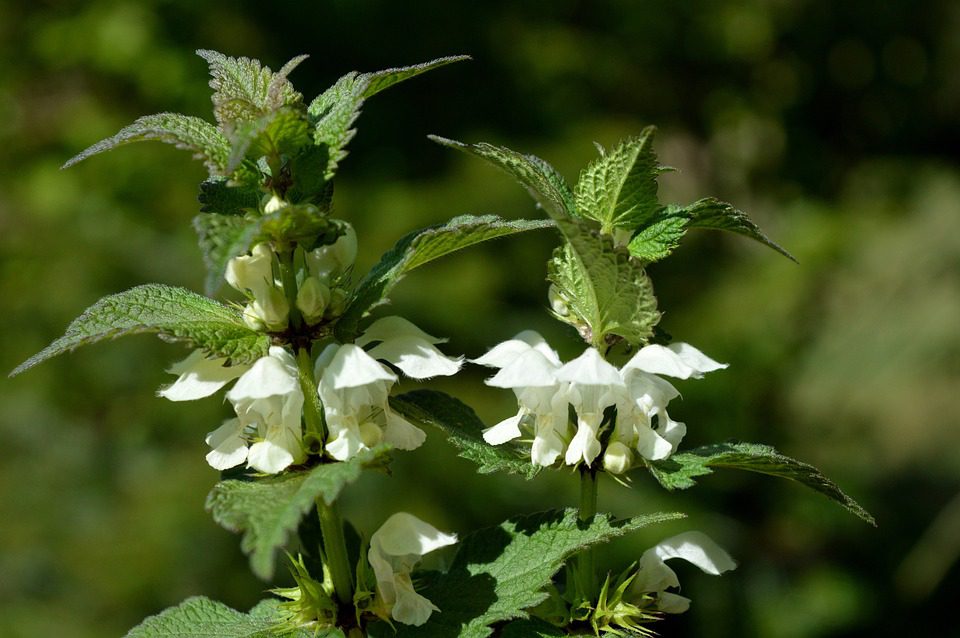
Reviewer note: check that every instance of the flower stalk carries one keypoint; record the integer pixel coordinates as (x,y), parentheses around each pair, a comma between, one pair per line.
(584,567)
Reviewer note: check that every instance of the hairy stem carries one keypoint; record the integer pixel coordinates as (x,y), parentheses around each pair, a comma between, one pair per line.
(312,410)
(288,278)
(588,508)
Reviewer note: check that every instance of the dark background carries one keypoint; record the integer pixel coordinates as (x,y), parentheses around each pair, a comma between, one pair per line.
(835,125)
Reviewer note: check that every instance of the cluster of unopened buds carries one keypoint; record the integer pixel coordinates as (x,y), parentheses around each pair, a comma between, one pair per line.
(632,400)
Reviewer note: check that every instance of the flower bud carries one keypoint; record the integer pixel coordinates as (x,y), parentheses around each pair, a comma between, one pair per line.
(253,272)
(338,303)
(272,308)
(273,205)
(557,303)
(330,261)
(312,300)
(618,458)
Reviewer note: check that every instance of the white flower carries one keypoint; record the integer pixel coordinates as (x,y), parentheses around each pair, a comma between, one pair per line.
(267,399)
(395,549)
(655,577)
(529,367)
(253,274)
(354,388)
(595,385)
(199,377)
(409,348)
(647,397)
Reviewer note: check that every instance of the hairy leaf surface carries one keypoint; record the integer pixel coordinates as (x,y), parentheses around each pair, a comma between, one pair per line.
(542,181)
(176,314)
(418,248)
(678,471)
(712,213)
(464,430)
(200,617)
(244,89)
(619,189)
(183,131)
(606,292)
(267,510)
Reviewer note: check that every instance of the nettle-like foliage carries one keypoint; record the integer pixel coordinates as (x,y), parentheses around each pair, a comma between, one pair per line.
(312,373)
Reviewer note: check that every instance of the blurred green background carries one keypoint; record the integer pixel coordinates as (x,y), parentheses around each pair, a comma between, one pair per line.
(835,125)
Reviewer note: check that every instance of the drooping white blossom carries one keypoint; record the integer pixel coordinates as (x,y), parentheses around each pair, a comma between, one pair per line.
(528,366)
(655,577)
(395,549)
(354,389)
(595,385)
(269,402)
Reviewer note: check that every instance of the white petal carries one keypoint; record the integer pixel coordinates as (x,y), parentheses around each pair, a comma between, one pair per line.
(410,607)
(417,357)
(672,431)
(199,377)
(590,369)
(403,534)
(343,442)
(506,430)
(679,360)
(402,434)
(584,446)
(269,457)
(529,370)
(352,367)
(651,445)
(229,447)
(697,548)
(504,353)
(393,327)
(672,603)
(272,375)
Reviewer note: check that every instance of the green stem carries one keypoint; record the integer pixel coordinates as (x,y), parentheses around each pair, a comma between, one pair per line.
(312,410)
(335,550)
(585,564)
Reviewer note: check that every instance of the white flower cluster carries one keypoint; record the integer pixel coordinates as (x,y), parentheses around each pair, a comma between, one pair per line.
(395,549)
(317,293)
(546,388)
(353,388)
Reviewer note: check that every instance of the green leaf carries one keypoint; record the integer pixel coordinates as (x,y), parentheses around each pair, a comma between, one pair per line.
(542,181)
(283,132)
(380,80)
(267,510)
(619,189)
(417,248)
(464,430)
(501,571)
(605,291)
(200,617)
(659,239)
(183,131)
(176,314)
(678,471)
(335,110)
(244,90)
(712,213)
